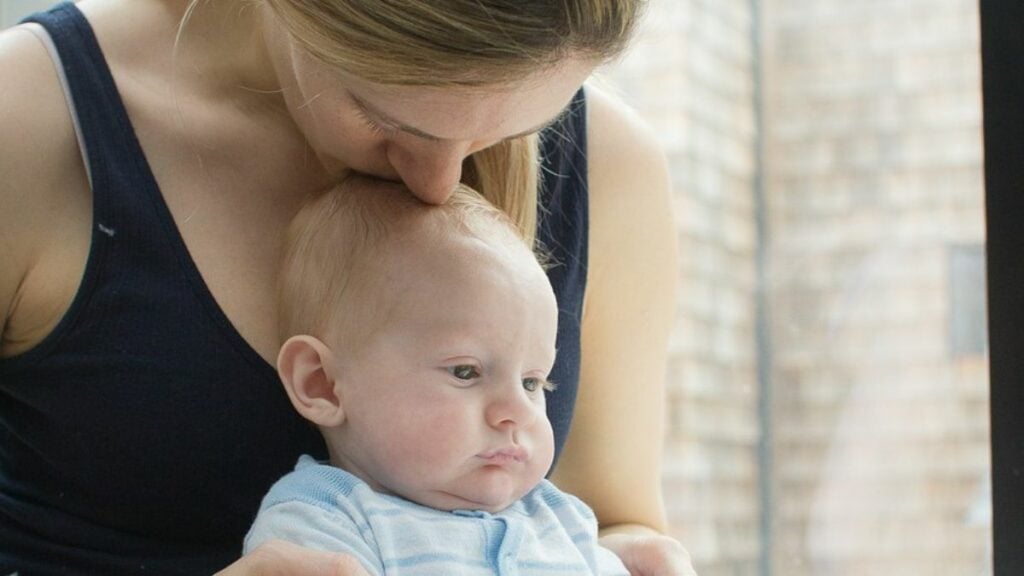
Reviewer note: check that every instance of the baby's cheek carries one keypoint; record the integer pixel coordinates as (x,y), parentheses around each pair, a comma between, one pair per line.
(427,438)
(544,446)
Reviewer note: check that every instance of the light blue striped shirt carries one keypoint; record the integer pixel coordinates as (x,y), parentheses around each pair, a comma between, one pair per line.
(546,532)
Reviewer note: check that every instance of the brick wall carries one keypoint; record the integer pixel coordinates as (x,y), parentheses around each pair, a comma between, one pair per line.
(871,151)
(873,165)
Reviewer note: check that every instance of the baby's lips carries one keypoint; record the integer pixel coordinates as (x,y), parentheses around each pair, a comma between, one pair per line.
(507,454)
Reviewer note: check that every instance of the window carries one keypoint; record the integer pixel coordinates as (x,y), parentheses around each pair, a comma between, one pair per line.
(11,11)
(967,330)
(829,380)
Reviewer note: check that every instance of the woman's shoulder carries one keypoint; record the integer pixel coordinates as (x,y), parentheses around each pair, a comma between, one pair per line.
(628,173)
(36,130)
(620,145)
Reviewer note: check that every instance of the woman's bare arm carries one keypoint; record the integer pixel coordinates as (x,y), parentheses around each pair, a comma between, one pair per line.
(46,213)
(612,459)
(613,455)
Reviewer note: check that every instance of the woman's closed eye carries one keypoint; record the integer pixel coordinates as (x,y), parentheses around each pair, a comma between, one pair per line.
(376,127)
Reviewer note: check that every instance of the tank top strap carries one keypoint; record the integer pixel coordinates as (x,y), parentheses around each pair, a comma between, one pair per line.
(563,202)
(110,149)
(562,232)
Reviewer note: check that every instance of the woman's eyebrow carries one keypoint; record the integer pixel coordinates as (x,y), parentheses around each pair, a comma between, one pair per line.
(386,120)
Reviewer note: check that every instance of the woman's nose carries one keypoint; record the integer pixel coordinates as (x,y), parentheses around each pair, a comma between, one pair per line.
(430,171)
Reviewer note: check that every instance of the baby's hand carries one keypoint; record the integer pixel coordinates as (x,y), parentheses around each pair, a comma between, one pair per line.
(279,558)
(650,554)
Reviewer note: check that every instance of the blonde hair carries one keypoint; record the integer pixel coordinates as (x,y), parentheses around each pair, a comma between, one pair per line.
(456,42)
(336,241)
(465,43)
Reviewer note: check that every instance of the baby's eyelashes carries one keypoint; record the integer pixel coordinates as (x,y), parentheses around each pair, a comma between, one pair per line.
(534,384)
(467,373)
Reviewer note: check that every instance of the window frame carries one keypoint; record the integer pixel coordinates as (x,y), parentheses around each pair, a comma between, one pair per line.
(1003,104)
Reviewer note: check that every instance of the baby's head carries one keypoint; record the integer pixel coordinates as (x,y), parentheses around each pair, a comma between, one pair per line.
(419,339)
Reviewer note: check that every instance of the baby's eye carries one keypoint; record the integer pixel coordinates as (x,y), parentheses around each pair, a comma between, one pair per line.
(464,372)
(534,384)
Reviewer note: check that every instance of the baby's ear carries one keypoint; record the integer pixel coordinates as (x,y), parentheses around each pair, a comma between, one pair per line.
(306,370)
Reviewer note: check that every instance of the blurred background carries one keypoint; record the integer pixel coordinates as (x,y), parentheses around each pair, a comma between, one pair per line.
(828,386)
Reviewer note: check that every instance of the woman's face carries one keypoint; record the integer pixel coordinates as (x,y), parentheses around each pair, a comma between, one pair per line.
(419,135)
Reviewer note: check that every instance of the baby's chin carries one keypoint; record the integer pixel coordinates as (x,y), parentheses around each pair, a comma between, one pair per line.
(492,498)
(491,495)
(484,503)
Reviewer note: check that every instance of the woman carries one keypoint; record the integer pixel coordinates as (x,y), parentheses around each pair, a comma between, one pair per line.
(145,189)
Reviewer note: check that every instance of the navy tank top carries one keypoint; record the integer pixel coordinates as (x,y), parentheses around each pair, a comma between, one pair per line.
(140,436)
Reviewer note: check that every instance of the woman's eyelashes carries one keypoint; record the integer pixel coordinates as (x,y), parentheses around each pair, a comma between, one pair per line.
(374,126)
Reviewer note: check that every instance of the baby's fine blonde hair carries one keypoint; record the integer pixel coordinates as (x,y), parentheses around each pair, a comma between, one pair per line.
(331,265)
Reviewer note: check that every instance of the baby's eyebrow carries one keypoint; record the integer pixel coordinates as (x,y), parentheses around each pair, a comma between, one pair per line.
(396,125)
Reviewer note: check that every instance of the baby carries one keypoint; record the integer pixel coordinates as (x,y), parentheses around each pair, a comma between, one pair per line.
(419,339)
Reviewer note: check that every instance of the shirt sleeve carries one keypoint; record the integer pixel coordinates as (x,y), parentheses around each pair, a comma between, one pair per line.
(314,527)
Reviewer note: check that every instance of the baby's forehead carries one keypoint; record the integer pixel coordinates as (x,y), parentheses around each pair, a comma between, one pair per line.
(425,225)
(455,250)
(395,224)
(451,229)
